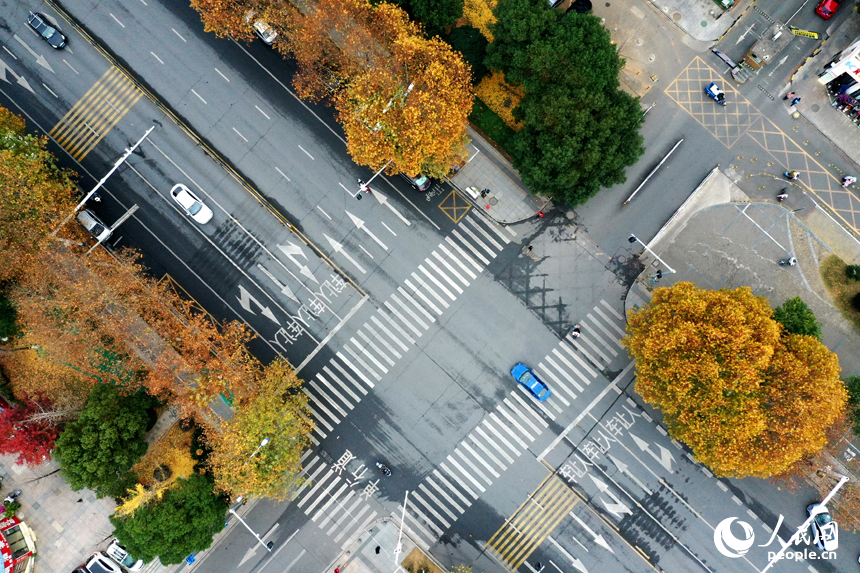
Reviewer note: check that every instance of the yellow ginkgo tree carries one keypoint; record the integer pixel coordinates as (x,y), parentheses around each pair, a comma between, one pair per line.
(748,397)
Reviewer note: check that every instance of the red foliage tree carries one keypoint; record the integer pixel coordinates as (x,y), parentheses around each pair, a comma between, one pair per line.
(29,431)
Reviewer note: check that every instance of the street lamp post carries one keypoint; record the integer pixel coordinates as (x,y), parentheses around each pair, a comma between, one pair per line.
(262,444)
(33,347)
(268,545)
(634,239)
(399,547)
(365,186)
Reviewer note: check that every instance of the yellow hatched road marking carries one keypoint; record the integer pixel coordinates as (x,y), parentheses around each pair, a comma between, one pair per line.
(96,113)
(533,521)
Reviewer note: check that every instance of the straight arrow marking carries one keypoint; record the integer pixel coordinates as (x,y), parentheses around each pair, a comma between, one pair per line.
(573,560)
(597,538)
(338,248)
(665,458)
(360,224)
(624,469)
(245,299)
(291,250)
(384,200)
(284,288)
(39,59)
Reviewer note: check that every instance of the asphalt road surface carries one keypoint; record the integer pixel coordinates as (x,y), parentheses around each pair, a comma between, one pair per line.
(395,314)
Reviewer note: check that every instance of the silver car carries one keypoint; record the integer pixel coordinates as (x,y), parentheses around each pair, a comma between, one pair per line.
(118,553)
(191,204)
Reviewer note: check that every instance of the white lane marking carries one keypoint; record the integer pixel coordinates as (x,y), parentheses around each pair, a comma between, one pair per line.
(444,494)
(501,437)
(180,35)
(333,389)
(375,348)
(345,374)
(423,283)
(584,365)
(240,135)
(199,96)
(433,265)
(457,479)
(50,90)
(157,58)
(472,248)
(408,297)
(118,22)
(487,451)
(612,310)
(410,312)
(358,372)
(478,241)
(610,322)
(465,445)
(451,269)
(396,327)
(306,153)
(70,67)
(611,336)
(423,297)
(263,112)
(469,259)
(430,508)
(144,3)
(478,227)
(493,226)
(378,336)
(510,432)
(358,359)
(466,474)
(10,53)
(556,383)
(334,403)
(396,313)
(496,447)
(435,500)
(537,431)
(389,228)
(564,373)
(222,75)
(460,263)
(321,211)
(503,412)
(528,406)
(382,328)
(453,489)
(366,252)
(284,175)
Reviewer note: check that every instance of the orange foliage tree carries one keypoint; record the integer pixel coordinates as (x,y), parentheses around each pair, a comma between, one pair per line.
(276,411)
(748,398)
(400,96)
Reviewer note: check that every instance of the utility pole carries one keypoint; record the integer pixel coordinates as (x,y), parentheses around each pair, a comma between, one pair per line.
(634,239)
(362,186)
(119,162)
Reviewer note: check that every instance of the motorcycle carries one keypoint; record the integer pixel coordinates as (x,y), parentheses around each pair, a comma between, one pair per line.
(782,195)
(12,496)
(792,175)
(790,261)
(383,468)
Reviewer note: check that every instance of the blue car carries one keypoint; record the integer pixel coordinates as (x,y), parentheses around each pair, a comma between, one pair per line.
(529,380)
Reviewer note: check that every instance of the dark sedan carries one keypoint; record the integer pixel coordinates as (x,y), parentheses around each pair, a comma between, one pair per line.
(50,34)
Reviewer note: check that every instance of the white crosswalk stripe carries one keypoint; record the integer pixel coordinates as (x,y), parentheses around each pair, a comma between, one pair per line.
(510,432)
(382,330)
(366,353)
(564,373)
(436,282)
(463,254)
(356,517)
(534,403)
(594,322)
(521,415)
(422,525)
(318,484)
(346,512)
(478,241)
(423,297)
(451,487)
(346,375)
(555,383)
(478,227)
(586,341)
(439,271)
(475,468)
(432,510)
(457,260)
(332,498)
(493,226)
(416,304)
(496,447)
(361,361)
(426,491)
(339,511)
(451,269)
(610,322)
(326,394)
(358,373)
(319,404)
(395,326)
(614,312)
(312,478)
(319,419)
(582,363)
(465,445)
(513,421)
(372,345)
(563,359)
(408,324)
(409,311)
(383,341)
(466,474)
(443,493)
(334,390)
(457,479)
(429,289)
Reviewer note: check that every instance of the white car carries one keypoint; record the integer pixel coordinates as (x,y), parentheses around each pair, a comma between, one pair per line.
(825,532)
(99,563)
(118,553)
(191,204)
(262,29)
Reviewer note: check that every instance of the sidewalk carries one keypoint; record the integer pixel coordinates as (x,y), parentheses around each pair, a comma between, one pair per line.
(703,20)
(815,106)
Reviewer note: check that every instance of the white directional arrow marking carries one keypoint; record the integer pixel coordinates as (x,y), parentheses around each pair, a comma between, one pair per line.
(291,250)
(338,248)
(360,224)
(597,538)
(573,560)
(39,59)
(284,288)
(248,554)
(21,81)
(665,459)
(617,509)
(623,468)
(384,200)
(246,299)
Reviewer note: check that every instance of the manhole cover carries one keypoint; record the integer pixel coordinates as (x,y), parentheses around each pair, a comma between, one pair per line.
(570,215)
(815,107)
(492,201)
(704,23)
(676,16)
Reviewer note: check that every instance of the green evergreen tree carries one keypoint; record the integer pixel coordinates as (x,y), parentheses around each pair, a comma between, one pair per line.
(436,15)
(181,522)
(580,130)
(472,44)
(797,318)
(98,449)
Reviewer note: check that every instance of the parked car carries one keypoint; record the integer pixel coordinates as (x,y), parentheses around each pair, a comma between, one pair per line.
(526,378)
(261,28)
(48,33)
(94,225)
(827,8)
(191,204)
(825,532)
(118,553)
(99,563)
(422,183)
